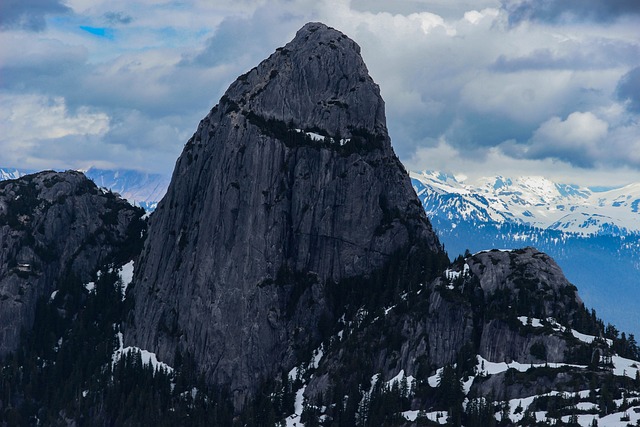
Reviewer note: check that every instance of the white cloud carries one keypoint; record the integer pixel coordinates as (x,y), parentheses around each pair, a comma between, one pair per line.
(578,131)
(458,72)
(31,117)
(444,157)
(578,126)
(585,140)
(43,133)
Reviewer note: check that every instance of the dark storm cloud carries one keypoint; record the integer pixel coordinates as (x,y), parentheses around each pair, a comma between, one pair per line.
(600,54)
(474,131)
(28,14)
(114,18)
(238,36)
(223,46)
(65,71)
(628,89)
(555,11)
(55,68)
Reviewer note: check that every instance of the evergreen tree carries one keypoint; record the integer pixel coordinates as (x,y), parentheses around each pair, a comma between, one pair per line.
(450,394)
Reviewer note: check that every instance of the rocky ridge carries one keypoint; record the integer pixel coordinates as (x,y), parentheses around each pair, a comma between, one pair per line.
(53,225)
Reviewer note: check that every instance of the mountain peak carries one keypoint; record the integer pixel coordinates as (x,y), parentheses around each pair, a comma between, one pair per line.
(287,199)
(317,32)
(317,82)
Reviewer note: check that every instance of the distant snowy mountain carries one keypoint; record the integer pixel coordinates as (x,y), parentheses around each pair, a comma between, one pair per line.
(533,201)
(594,236)
(139,188)
(7,173)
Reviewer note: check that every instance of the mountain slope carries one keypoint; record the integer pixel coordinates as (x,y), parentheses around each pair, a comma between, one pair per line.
(291,278)
(138,188)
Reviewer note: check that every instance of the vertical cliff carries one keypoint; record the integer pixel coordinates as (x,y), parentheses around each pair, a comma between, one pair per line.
(286,208)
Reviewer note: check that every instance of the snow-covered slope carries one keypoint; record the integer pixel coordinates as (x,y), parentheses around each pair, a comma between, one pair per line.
(533,201)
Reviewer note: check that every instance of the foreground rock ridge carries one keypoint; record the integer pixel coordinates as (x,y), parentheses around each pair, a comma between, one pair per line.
(54,225)
(267,228)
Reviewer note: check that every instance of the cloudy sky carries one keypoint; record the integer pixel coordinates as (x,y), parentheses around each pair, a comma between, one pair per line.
(482,87)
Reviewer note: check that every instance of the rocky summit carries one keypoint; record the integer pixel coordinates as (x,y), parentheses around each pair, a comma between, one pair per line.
(286,200)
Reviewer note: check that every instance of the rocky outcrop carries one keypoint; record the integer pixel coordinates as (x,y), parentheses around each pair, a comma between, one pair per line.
(475,308)
(54,225)
(286,206)
(527,281)
(287,210)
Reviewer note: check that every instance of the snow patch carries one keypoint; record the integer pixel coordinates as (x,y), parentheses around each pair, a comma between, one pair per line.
(588,338)
(485,367)
(398,379)
(452,275)
(625,367)
(536,323)
(439,417)
(317,357)
(126,274)
(148,358)
(294,419)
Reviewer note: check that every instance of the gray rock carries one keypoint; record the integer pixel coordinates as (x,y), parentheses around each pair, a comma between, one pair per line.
(53,225)
(318,80)
(533,277)
(431,328)
(260,220)
(501,343)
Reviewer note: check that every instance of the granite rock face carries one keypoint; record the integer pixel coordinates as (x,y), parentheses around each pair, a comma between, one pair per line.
(288,193)
(53,225)
(536,287)
(524,269)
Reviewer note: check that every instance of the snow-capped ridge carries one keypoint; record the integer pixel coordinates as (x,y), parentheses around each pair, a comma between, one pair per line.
(531,200)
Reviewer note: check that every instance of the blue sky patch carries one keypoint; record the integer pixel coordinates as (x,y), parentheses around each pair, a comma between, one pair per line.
(98,31)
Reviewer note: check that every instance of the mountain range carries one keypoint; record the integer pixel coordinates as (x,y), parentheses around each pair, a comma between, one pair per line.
(533,201)
(290,276)
(528,200)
